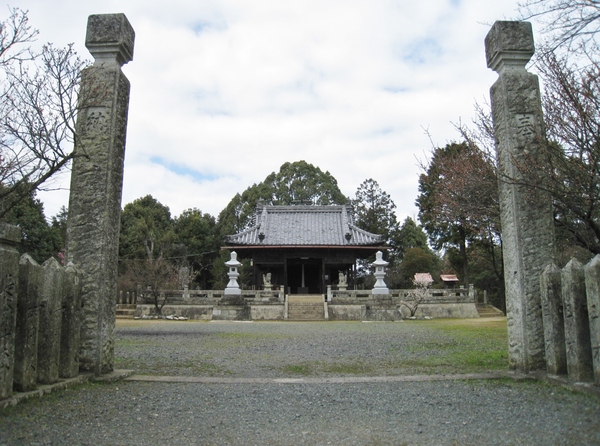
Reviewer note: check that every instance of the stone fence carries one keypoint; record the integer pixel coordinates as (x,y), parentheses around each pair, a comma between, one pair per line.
(333,295)
(40,318)
(271,304)
(432,295)
(571,319)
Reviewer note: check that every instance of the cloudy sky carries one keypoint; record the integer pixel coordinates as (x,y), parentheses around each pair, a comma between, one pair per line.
(226,91)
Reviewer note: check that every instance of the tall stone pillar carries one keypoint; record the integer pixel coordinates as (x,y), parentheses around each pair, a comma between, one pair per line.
(97,182)
(526,212)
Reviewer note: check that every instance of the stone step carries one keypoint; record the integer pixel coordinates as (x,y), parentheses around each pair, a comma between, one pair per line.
(487,310)
(305,317)
(306,311)
(312,298)
(125,311)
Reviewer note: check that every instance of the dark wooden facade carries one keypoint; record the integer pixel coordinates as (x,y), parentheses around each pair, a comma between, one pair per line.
(303,248)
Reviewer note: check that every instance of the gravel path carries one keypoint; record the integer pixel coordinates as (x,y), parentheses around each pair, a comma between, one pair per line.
(457,412)
(273,349)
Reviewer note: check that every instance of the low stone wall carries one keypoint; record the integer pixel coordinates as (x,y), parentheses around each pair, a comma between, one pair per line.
(371,313)
(347,312)
(267,312)
(349,305)
(195,312)
(446,310)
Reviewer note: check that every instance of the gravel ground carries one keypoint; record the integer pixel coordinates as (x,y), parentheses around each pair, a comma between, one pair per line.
(273,349)
(463,412)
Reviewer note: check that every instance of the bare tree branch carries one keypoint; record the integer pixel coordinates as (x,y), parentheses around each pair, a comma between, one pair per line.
(38,108)
(569,24)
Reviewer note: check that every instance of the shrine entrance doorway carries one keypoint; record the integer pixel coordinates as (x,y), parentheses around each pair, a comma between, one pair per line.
(304,276)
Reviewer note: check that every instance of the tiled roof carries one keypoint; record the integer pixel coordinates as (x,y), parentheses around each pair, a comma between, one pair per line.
(423,278)
(303,225)
(449,278)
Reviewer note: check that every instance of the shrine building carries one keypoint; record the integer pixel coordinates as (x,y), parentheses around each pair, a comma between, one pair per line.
(303,248)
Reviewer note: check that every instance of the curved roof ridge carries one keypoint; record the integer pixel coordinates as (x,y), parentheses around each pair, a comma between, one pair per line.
(297,225)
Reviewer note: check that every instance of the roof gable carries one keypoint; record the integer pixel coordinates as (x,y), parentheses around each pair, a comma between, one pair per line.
(304,226)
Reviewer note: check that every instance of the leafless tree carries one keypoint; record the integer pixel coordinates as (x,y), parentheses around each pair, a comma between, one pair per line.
(571,105)
(569,24)
(153,277)
(571,145)
(38,107)
(417,296)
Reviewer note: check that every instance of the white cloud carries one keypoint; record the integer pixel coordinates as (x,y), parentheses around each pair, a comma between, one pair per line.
(225,92)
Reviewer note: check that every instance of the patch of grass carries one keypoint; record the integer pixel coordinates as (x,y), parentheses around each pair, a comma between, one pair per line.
(133,342)
(298,369)
(319,368)
(348,368)
(242,335)
(460,346)
(158,366)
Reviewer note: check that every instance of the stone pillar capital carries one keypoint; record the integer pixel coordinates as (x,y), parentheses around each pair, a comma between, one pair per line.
(509,45)
(110,39)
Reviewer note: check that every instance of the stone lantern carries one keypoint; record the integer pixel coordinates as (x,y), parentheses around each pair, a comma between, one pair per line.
(380,266)
(233,289)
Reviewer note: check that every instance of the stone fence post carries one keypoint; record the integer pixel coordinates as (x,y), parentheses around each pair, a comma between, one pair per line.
(70,337)
(50,322)
(577,328)
(571,304)
(554,324)
(592,288)
(526,212)
(47,326)
(96,184)
(9,275)
(31,278)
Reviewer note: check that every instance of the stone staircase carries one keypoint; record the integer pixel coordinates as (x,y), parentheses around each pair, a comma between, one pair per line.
(309,307)
(125,311)
(487,310)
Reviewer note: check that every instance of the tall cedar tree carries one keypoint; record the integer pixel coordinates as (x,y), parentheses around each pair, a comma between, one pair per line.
(458,201)
(39,239)
(295,183)
(197,245)
(373,210)
(146,230)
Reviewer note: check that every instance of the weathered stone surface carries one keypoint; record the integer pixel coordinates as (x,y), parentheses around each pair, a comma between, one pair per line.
(553,317)
(10,236)
(267,312)
(31,280)
(70,333)
(50,315)
(110,37)
(592,287)
(509,44)
(577,329)
(231,313)
(96,186)
(347,312)
(526,213)
(447,310)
